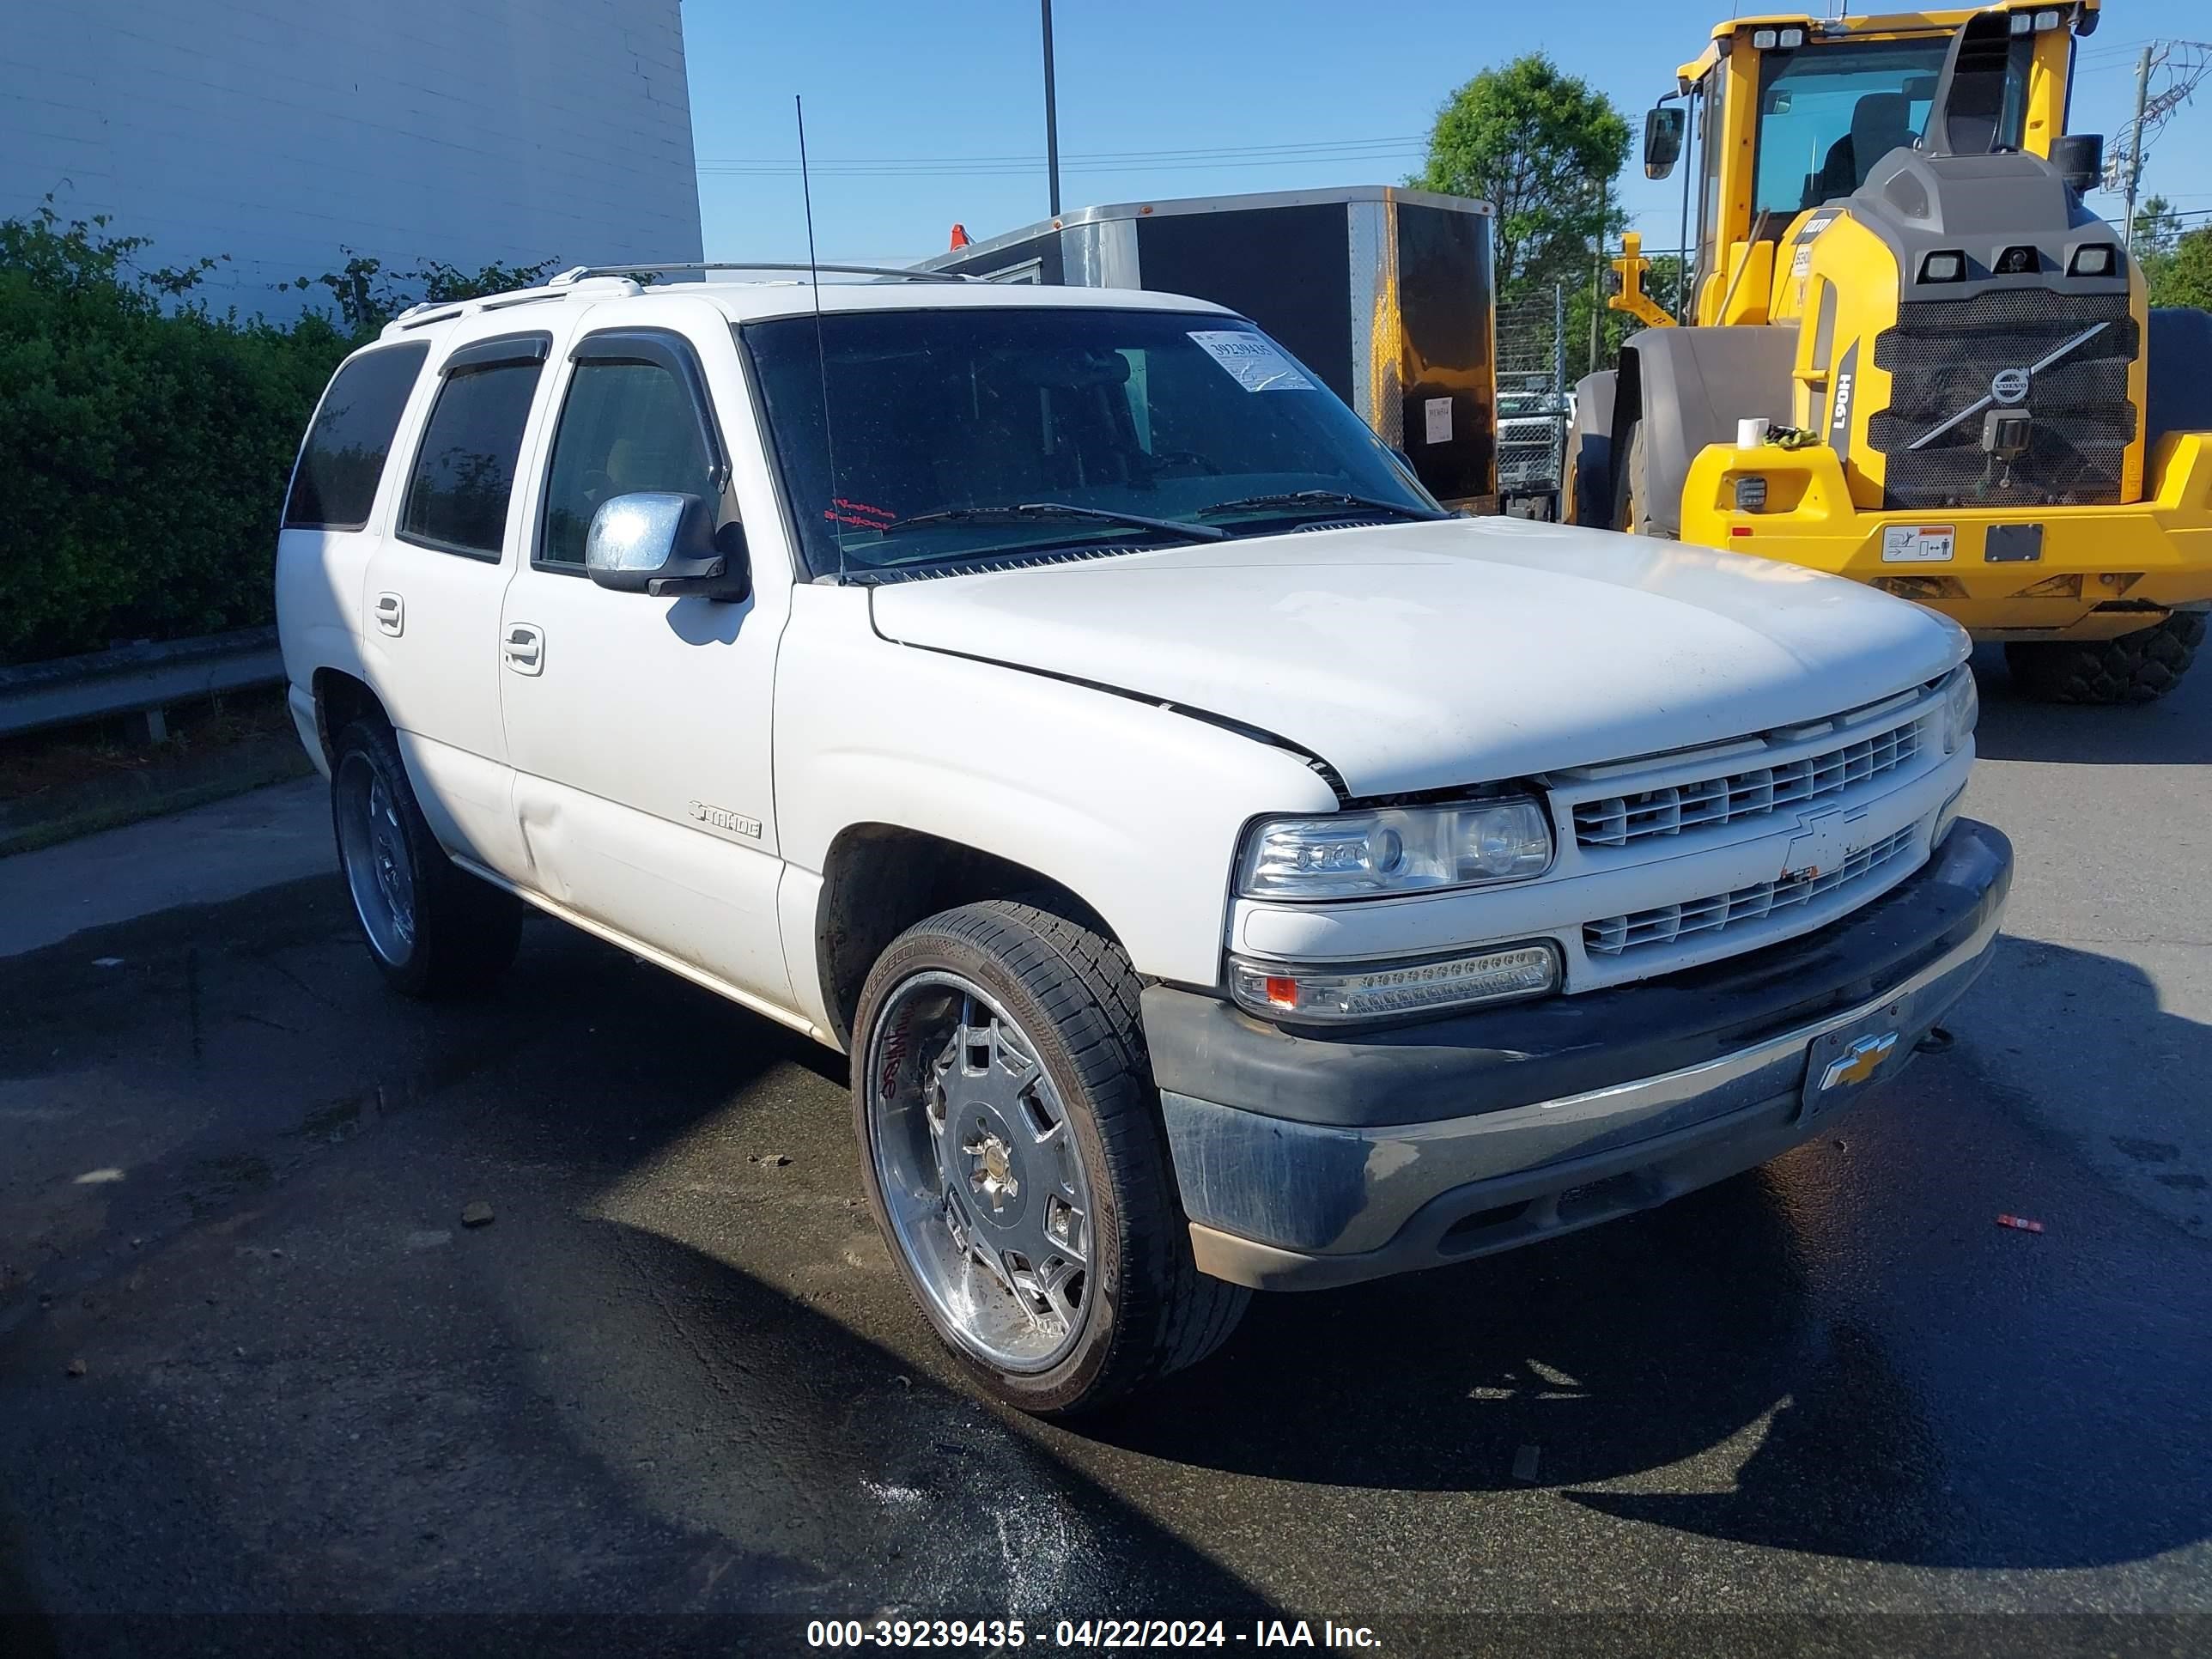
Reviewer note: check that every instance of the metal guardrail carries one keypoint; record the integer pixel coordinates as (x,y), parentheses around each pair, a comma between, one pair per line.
(137,679)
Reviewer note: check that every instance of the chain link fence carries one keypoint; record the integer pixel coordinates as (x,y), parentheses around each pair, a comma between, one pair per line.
(1533,409)
(1540,357)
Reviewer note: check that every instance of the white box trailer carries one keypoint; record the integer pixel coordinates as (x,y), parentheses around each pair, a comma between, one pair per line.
(1385,294)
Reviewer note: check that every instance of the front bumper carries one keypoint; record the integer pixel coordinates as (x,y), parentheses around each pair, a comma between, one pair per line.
(1309,1162)
(2099,572)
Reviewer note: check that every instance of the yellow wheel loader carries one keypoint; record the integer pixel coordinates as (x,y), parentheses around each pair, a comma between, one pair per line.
(1908,354)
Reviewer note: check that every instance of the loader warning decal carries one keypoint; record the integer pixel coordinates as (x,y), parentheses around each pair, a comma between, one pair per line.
(1840,417)
(1919,544)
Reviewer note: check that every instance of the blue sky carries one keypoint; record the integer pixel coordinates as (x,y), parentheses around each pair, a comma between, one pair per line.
(936,111)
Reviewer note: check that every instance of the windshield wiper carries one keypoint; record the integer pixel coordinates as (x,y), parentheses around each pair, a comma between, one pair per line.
(1323,498)
(1196,532)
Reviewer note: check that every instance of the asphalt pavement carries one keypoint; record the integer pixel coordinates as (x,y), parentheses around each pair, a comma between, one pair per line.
(261,1386)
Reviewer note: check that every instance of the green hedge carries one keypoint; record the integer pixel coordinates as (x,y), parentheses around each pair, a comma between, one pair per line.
(145,441)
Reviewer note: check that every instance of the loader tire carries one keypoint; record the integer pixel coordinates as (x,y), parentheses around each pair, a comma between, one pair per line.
(2138,667)
(1633,500)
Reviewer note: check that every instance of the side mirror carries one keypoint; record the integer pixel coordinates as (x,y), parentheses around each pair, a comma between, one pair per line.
(2079,159)
(666,545)
(1664,127)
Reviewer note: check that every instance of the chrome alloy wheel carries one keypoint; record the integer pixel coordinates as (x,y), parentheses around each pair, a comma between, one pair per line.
(374,848)
(982,1179)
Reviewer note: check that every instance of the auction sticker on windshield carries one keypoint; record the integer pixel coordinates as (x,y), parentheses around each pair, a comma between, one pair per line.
(1917,544)
(1251,359)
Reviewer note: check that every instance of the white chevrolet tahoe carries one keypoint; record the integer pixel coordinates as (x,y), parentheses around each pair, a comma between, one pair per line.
(1226,870)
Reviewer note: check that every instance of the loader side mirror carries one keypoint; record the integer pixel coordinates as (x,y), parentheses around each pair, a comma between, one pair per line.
(1662,140)
(2079,159)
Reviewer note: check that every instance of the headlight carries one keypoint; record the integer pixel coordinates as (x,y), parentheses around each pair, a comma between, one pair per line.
(1337,995)
(1962,707)
(1414,849)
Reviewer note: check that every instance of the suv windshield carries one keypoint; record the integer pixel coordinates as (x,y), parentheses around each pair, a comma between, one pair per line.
(1828,112)
(961,434)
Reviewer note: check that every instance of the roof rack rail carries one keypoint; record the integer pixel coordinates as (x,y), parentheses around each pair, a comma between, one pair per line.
(579,273)
(423,313)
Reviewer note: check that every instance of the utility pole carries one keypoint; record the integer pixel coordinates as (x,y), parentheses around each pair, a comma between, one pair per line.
(1051,115)
(2135,143)
(1598,280)
(2186,63)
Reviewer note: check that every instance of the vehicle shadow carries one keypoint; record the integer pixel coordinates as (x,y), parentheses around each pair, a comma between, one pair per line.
(308,1425)
(1838,1354)
(2175,731)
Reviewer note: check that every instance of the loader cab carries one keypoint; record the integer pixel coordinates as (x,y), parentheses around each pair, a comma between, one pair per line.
(1786,113)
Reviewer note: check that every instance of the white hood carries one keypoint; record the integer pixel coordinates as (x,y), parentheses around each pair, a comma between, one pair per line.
(1423,656)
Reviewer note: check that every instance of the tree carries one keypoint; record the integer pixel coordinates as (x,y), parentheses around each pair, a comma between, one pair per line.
(2184,277)
(1541,148)
(2158,227)
(2158,230)
(369,297)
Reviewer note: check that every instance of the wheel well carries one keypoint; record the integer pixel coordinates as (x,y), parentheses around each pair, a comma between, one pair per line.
(340,700)
(1627,405)
(880,879)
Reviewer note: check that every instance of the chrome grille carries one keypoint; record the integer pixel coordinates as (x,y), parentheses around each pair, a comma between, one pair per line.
(1941,356)
(1617,820)
(1612,936)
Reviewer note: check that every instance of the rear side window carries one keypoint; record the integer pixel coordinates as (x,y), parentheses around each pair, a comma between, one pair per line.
(464,470)
(343,459)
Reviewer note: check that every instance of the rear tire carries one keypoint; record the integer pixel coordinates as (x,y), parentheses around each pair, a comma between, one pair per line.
(1585,489)
(433,929)
(2138,667)
(1632,500)
(1010,1135)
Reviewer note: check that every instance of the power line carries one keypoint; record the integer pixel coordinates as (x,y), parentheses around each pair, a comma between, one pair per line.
(1135,155)
(1094,161)
(2184,63)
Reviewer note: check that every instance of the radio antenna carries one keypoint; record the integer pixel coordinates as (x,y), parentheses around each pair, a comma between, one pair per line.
(821,356)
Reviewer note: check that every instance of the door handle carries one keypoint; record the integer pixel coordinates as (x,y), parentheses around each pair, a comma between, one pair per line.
(391,612)
(524,648)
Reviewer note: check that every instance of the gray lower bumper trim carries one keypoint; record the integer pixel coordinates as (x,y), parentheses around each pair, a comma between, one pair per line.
(1281,1205)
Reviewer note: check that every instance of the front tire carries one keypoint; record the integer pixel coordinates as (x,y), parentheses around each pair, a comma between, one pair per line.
(433,929)
(2138,667)
(1008,1126)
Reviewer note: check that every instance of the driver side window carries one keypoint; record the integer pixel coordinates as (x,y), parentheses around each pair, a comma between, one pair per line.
(625,427)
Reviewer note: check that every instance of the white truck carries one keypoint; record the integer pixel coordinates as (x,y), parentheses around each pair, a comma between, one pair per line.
(1226,870)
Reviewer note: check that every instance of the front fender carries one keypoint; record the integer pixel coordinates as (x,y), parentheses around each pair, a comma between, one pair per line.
(1136,809)
(1692,386)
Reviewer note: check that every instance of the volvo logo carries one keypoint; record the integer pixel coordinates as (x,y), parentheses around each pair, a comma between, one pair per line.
(2010,385)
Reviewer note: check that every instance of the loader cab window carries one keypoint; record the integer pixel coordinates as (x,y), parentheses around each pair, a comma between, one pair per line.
(1709,123)
(1827,113)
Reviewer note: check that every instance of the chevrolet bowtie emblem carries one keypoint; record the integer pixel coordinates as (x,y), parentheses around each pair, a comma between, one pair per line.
(1860,1061)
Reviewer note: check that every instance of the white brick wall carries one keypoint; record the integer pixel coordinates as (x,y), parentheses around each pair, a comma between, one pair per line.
(279,131)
